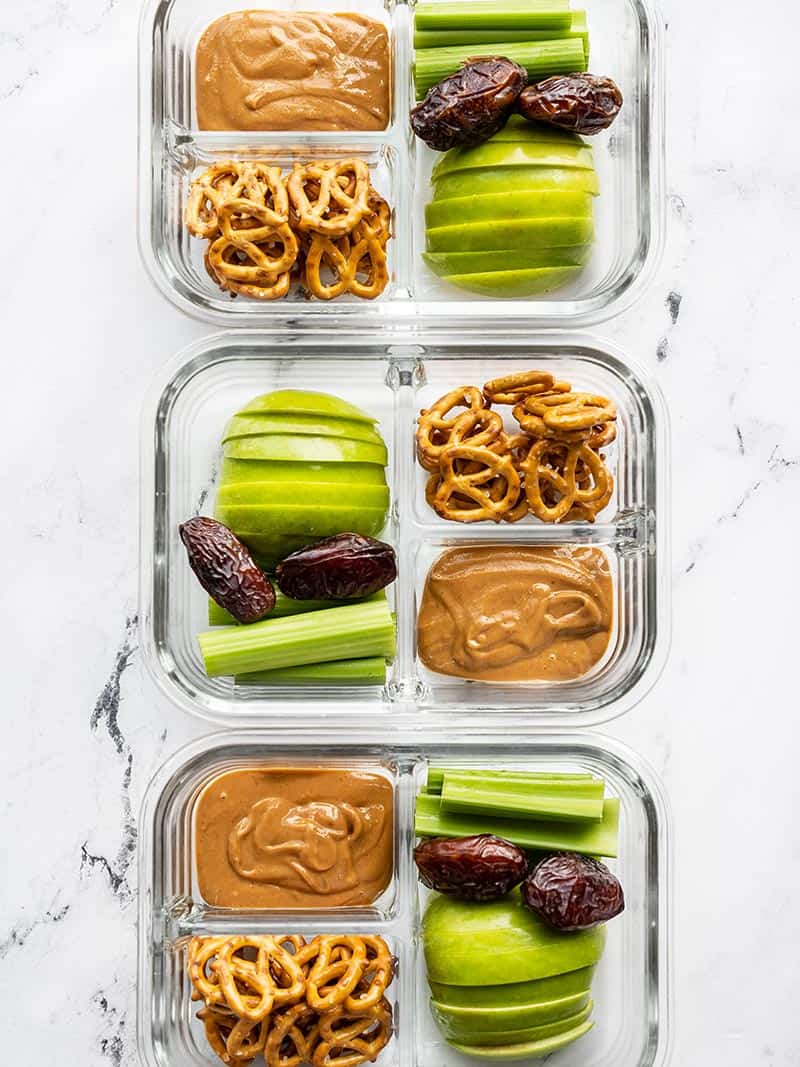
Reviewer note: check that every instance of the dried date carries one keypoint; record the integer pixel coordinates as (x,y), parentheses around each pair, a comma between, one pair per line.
(572,892)
(226,570)
(470,106)
(583,103)
(478,868)
(338,568)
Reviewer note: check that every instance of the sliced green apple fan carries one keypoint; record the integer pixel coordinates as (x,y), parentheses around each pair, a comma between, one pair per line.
(512,217)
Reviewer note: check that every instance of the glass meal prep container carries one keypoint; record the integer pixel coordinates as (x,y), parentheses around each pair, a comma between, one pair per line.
(208,381)
(631,988)
(629,159)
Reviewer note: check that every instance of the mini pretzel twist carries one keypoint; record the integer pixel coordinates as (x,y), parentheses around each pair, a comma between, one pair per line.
(565,416)
(376,978)
(222,974)
(331,209)
(478,427)
(493,488)
(263,227)
(347,1039)
(334,974)
(436,423)
(561,487)
(514,388)
(293,1037)
(254,182)
(224,264)
(377,224)
(346,261)
(234,1040)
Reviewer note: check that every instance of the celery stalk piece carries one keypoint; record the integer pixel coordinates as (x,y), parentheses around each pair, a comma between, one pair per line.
(370,670)
(494,14)
(540,58)
(285,605)
(552,801)
(361,630)
(591,839)
(446,38)
(436,776)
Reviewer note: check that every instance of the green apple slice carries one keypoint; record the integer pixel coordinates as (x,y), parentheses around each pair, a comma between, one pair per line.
(548,203)
(238,471)
(500,942)
(527,1050)
(303,402)
(254,495)
(455,1023)
(289,527)
(511,995)
(525,1033)
(515,179)
(264,517)
(512,283)
(525,131)
(300,447)
(510,233)
(509,259)
(321,425)
(513,154)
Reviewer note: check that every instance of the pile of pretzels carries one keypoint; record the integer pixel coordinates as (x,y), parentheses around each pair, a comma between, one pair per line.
(552,467)
(292,1002)
(323,225)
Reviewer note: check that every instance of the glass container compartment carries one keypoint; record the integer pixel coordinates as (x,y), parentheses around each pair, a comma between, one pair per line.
(629,158)
(182,426)
(631,988)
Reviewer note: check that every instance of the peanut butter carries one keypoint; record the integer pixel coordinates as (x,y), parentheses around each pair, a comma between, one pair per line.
(294,837)
(293,70)
(516,613)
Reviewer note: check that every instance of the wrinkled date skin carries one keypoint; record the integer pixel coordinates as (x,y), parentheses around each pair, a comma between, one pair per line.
(572,892)
(470,106)
(477,868)
(583,103)
(226,570)
(338,568)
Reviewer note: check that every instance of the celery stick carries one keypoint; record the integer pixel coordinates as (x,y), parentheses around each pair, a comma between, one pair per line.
(591,839)
(553,800)
(285,605)
(366,629)
(540,58)
(494,14)
(370,670)
(436,776)
(445,38)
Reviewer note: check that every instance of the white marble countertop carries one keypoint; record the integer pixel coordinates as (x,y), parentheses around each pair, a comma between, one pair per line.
(84,333)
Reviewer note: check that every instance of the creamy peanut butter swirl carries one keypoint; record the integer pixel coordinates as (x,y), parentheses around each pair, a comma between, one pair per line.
(293,70)
(304,847)
(516,613)
(294,837)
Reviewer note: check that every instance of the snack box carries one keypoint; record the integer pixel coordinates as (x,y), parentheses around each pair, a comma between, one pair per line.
(181,431)
(631,987)
(629,159)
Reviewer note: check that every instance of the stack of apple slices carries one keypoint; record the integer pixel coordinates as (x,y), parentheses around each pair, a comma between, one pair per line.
(299,466)
(503,984)
(512,217)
